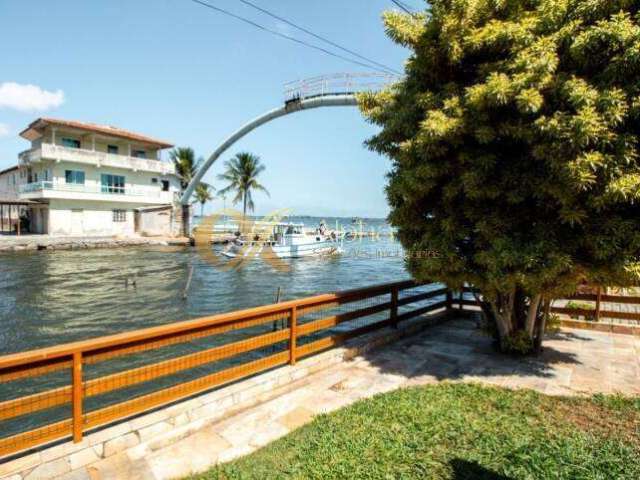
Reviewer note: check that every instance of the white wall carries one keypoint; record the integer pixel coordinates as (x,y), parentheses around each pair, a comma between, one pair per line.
(9,182)
(101,142)
(74,217)
(156,222)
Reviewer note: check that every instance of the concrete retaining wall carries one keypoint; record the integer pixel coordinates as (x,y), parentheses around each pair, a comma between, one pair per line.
(142,435)
(32,243)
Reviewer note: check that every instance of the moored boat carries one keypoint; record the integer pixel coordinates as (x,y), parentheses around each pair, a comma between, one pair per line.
(285,240)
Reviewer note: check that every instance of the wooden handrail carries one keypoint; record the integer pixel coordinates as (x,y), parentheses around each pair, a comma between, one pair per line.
(87,346)
(73,356)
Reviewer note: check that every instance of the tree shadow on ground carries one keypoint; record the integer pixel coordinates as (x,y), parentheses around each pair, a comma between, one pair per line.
(458,348)
(465,470)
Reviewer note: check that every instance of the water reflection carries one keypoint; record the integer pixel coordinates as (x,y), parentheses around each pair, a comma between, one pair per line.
(47,298)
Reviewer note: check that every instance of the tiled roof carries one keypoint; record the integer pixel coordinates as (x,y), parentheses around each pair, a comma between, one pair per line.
(7,170)
(41,123)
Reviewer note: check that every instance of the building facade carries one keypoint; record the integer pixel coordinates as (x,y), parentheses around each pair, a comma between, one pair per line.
(91,179)
(9,183)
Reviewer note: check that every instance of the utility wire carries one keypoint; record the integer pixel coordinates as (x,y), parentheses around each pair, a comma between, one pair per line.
(319,37)
(282,35)
(403,7)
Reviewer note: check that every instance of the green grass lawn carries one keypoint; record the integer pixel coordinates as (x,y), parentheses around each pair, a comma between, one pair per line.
(457,431)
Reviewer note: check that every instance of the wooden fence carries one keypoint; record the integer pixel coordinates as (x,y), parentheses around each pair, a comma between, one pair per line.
(598,313)
(65,383)
(63,391)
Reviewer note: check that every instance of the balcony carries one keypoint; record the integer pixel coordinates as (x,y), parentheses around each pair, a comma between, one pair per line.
(90,157)
(66,191)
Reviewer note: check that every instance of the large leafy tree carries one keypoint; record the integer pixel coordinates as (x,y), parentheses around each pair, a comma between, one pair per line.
(241,174)
(514,141)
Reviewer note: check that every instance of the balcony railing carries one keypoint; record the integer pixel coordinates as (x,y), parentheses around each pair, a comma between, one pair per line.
(91,189)
(78,155)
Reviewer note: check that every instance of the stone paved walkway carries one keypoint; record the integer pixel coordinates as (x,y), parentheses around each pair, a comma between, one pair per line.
(574,362)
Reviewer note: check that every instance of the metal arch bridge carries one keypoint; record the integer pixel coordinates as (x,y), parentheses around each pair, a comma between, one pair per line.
(338,90)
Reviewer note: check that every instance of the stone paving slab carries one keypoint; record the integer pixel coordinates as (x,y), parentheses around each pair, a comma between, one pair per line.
(574,362)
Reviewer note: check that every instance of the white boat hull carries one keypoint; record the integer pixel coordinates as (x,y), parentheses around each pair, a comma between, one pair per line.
(249,250)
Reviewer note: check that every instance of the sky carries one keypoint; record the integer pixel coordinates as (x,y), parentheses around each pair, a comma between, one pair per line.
(178,71)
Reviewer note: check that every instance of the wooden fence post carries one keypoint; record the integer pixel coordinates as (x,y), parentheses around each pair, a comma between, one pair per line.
(393,315)
(598,301)
(77,396)
(293,335)
(449,300)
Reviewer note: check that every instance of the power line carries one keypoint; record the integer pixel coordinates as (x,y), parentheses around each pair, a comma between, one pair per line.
(282,35)
(319,37)
(403,7)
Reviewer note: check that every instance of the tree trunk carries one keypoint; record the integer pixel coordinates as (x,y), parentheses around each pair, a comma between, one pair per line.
(532,314)
(542,324)
(518,318)
(244,212)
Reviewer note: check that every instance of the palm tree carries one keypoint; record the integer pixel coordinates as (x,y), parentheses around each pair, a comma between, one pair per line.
(203,195)
(184,159)
(242,174)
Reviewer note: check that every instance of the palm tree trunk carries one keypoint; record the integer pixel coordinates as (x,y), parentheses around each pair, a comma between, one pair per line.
(201,208)
(244,211)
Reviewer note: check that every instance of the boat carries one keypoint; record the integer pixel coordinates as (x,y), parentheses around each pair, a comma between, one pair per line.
(285,240)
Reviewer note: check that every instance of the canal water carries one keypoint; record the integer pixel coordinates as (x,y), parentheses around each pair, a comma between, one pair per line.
(48,298)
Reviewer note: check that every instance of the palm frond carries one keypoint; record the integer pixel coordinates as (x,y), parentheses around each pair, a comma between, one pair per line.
(241,173)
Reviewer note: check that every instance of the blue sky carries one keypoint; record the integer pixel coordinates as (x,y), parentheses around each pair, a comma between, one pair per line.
(178,71)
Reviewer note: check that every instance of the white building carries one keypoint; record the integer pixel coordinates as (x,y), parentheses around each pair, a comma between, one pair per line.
(9,183)
(91,179)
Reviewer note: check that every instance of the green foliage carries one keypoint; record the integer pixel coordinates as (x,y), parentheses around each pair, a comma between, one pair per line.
(184,159)
(553,323)
(573,305)
(456,431)
(242,176)
(518,342)
(203,194)
(579,305)
(514,141)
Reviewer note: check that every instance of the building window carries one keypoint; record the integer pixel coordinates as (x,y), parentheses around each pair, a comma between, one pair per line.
(154,180)
(165,185)
(74,176)
(112,183)
(119,215)
(71,143)
(139,154)
(112,149)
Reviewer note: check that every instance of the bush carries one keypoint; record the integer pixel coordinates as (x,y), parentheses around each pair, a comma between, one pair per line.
(581,306)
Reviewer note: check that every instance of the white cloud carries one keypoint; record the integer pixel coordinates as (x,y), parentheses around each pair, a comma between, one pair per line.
(4,130)
(28,98)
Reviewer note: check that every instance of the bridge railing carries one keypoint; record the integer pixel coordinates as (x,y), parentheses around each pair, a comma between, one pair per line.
(63,391)
(336,84)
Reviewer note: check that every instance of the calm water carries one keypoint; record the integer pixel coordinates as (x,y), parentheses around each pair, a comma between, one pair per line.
(47,298)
